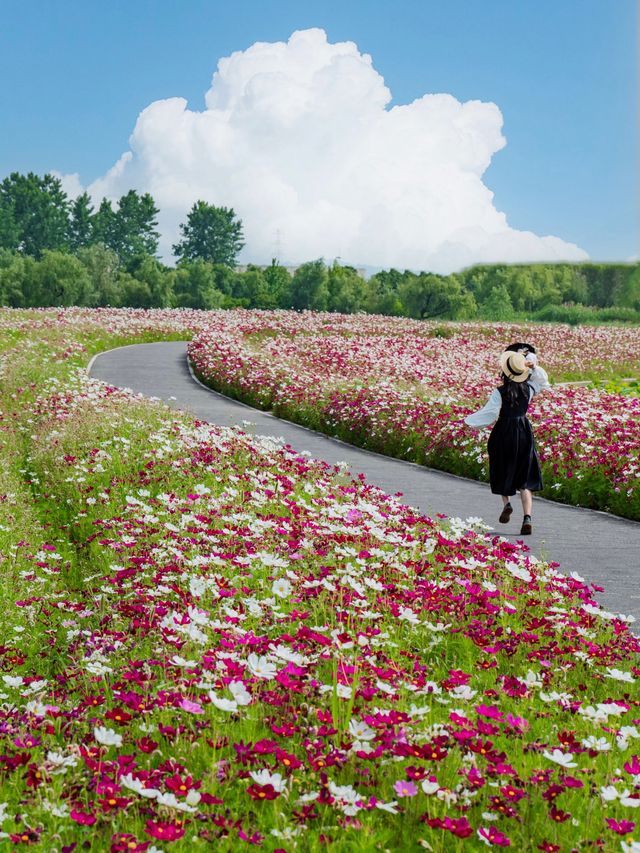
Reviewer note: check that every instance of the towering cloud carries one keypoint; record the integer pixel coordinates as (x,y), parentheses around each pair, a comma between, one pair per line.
(297,137)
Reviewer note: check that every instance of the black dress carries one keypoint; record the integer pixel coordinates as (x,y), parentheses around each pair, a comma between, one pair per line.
(513,459)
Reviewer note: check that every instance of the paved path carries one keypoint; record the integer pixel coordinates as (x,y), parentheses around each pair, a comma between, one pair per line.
(602,548)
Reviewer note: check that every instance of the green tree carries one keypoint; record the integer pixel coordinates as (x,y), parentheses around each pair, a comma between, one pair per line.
(382,293)
(102,266)
(498,305)
(279,284)
(347,290)
(194,286)
(81,222)
(157,277)
(133,292)
(629,294)
(211,234)
(309,287)
(40,211)
(134,226)
(105,226)
(251,288)
(9,231)
(13,273)
(59,279)
(429,295)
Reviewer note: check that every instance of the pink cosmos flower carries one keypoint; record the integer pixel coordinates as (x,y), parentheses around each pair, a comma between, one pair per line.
(405,789)
(191,707)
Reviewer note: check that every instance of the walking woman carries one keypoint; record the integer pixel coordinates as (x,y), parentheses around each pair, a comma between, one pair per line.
(513,460)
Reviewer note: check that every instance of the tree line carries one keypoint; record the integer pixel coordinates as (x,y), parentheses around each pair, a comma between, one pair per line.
(56,251)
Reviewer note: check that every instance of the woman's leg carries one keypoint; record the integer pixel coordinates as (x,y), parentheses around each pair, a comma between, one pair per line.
(505,500)
(527,500)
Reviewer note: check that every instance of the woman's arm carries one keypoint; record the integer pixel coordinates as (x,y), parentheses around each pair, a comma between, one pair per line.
(487,414)
(538,379)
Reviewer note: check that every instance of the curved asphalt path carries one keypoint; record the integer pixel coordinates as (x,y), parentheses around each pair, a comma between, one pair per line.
(603,548)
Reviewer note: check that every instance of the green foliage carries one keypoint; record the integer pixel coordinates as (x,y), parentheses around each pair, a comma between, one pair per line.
(279,284)
(81,223)
(116,245)
(194,286)
(102,265)
(498,305)
(59,279)
(156,276)
(427,296)
(211,234)
(35,213)
(13,275)
(135,226)
(347,290)
(310,287)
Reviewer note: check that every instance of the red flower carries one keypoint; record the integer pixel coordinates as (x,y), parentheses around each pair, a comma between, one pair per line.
(145,744)
(123,842)
(82,818)
(548,847)
(287,760)
(164,831)
(558,815)
(262,792)
(113,803)
(27,836)
(493,836)
(181,786)
(512,794)
(119,716)
(622,827)
(458,826)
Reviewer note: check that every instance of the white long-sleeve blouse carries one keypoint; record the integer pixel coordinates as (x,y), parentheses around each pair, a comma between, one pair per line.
(538,381)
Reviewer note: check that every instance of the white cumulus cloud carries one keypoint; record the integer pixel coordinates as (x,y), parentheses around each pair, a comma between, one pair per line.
(298,138)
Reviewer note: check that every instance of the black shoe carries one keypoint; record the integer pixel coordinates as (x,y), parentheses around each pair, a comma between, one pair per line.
(506,513)
(527,528)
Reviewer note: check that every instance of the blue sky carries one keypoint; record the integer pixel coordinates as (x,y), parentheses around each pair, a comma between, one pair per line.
(75,75)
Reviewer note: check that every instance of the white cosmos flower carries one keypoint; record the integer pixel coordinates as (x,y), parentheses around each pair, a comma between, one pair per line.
(564,759)
(462,691)
(429,787)
(265,777)
(519,572)
(628,801)
(388,807)
(360,730)
(180,661)
(408,615)
(107,736)
(633,847)
(608,793)
(240,693)
(173,802)
(60,762)
(601,744)
(261,667)
(282,588)
(193,797)
(13,680)
(554,696)
(619,675)
(134,784)
(223,704)
(628,731)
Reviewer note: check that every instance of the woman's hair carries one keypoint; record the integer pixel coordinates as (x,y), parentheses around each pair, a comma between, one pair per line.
(513,390)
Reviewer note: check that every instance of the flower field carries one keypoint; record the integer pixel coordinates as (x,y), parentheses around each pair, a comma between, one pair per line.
(403,388)
(212,641)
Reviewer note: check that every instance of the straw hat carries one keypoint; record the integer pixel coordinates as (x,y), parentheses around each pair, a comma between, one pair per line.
(513,365)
